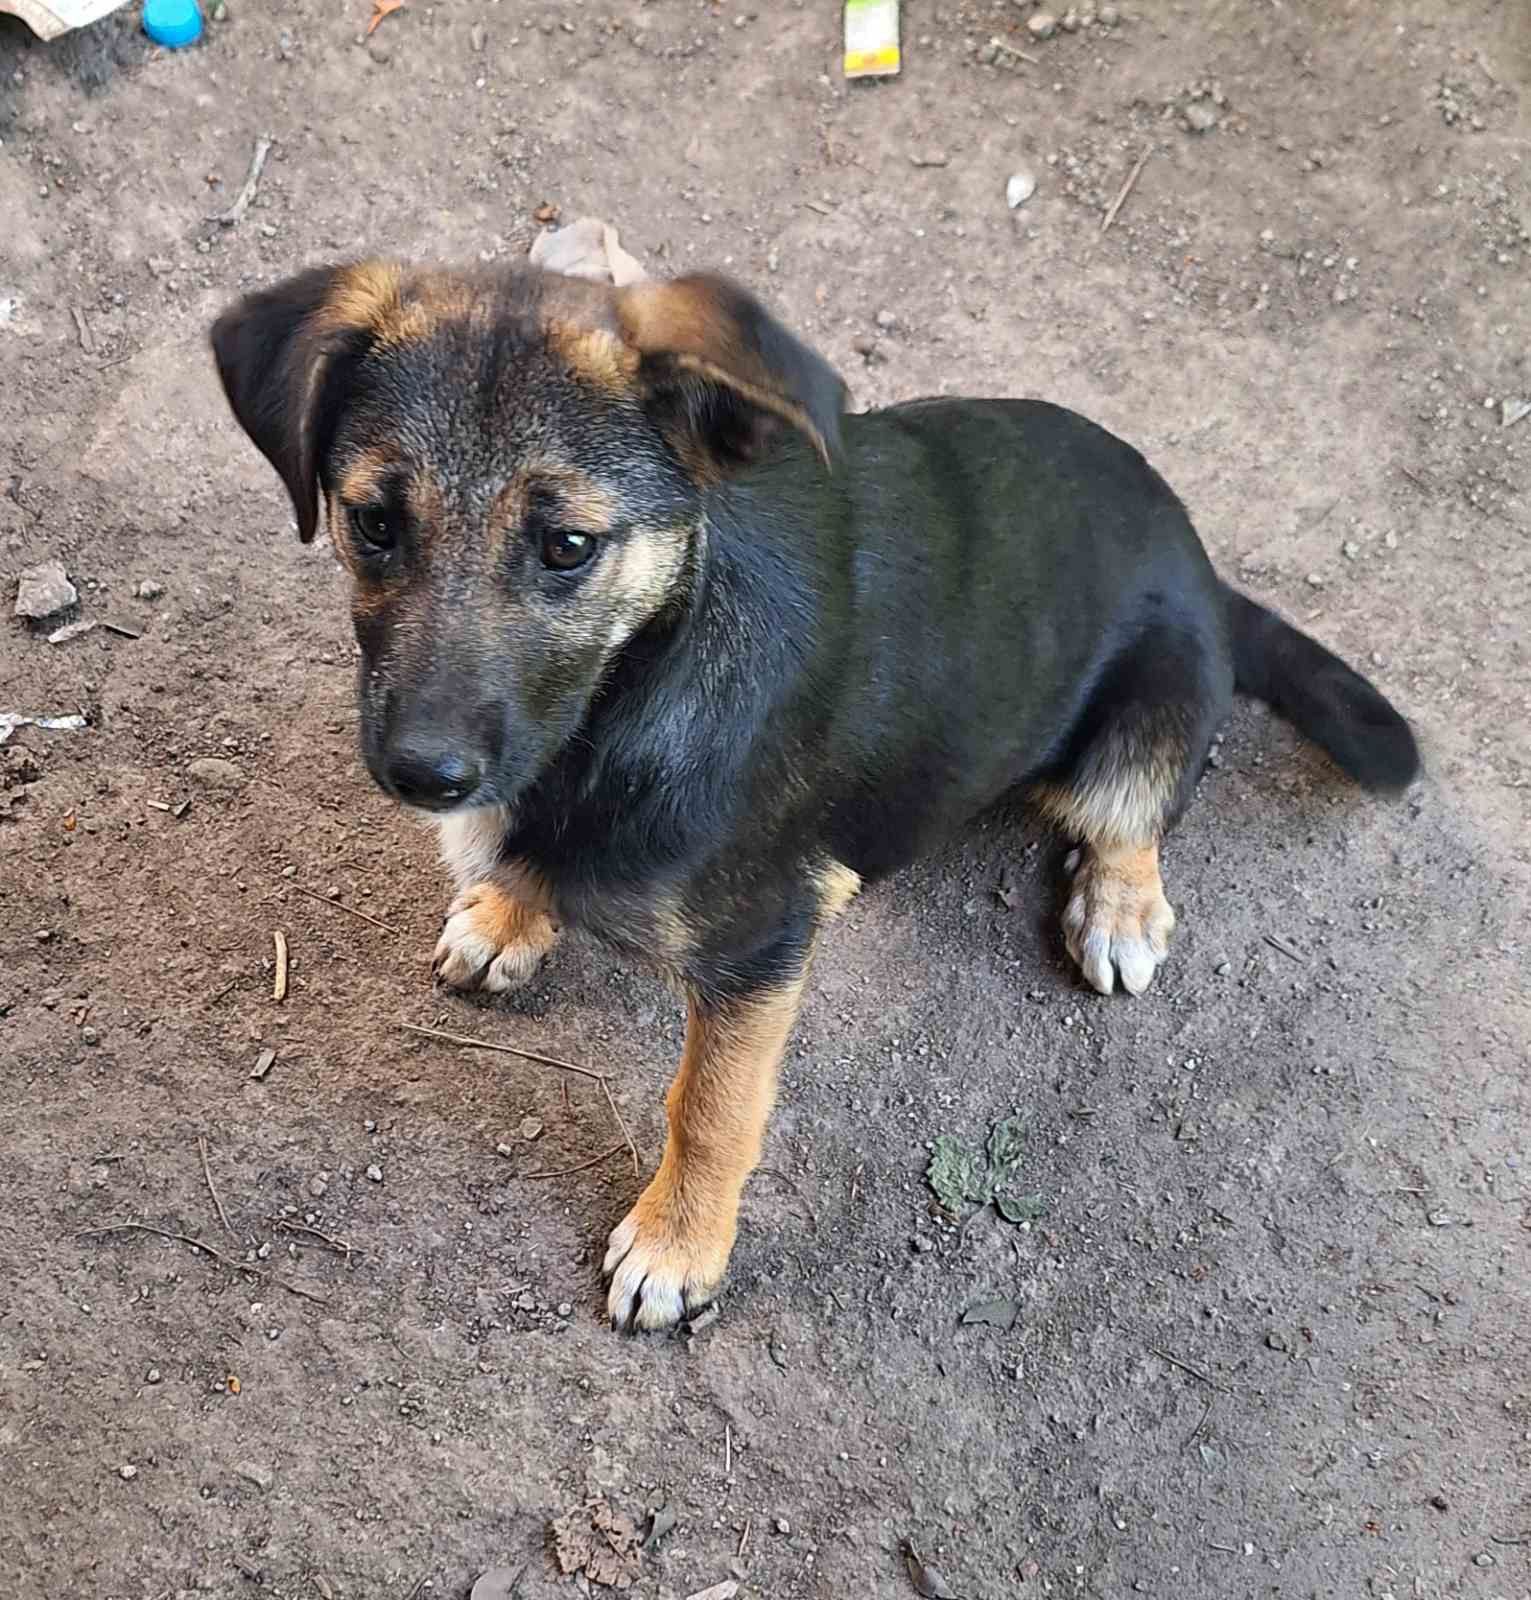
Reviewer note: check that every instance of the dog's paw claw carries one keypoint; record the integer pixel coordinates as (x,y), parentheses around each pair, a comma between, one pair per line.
(491,941)
(1117,923)
(657,1277)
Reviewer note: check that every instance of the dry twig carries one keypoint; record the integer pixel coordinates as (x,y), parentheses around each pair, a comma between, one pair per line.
(339,1246)
(584,1166)
(1125,190)
(279,982)
(547,1061)
(207,1172)
(207,1249)
(1016,51)
(340,905)
(229,218)
(1175,1361)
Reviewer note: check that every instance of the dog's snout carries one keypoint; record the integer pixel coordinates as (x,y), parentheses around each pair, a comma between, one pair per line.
(434,776)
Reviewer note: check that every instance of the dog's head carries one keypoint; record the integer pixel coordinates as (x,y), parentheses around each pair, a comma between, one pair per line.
(513,468)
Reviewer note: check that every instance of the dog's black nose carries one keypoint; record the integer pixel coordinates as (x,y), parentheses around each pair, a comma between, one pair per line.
(431,776)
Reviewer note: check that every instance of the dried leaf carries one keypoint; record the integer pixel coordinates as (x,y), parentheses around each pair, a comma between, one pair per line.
(957,1174)
(381,9)
(234,1384)
(599,1542)
(927,1581)
(1007,1144)
(660,1523)
(993,1314)
(1020,1207)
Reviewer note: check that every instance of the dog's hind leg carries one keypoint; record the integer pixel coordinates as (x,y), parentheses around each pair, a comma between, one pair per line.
(500,927)
(1124,780)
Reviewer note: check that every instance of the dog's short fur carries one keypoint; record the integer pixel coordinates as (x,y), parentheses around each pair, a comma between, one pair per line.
(681,654)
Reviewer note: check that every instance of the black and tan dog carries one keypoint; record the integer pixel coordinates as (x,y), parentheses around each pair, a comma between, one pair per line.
(680,654)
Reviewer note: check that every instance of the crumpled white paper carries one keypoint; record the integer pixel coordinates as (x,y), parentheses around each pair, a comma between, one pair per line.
(588,248)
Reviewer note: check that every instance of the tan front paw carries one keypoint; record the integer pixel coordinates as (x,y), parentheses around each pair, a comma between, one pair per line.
(1117,921)
(492,941)
(665,1264)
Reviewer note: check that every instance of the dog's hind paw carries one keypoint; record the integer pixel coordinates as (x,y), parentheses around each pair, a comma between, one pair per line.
(1117,922)
(491,941)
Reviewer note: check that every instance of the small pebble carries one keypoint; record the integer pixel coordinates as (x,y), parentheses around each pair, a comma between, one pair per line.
(213,772)
(1200,118)
(1019,188)
(783,1526)
(127,1473)
(318,1187)
(149,589)
(152,1375)
(375,1173)
(1043,25)
(1224,968)
(1315,581)
(886,320)
(90,1036)
(531,1128)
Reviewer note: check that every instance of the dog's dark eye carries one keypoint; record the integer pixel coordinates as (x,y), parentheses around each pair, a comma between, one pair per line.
(375,526)
(564,551)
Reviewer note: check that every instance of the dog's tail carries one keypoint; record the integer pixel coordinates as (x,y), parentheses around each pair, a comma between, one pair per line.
(1315,691)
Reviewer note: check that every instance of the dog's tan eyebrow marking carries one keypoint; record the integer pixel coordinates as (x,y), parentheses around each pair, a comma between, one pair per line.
(580,504)
(426,502)
(363,478)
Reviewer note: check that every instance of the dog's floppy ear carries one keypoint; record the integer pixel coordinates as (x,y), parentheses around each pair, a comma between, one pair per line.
(282,354)
(723,374)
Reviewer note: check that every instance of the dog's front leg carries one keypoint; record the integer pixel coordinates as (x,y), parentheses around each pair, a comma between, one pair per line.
(668,1255)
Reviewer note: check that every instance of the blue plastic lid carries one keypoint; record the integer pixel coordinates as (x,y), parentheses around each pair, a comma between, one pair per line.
(172,23)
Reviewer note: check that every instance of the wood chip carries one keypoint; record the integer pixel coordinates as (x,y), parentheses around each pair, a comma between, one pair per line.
(263,1063)
(279,983)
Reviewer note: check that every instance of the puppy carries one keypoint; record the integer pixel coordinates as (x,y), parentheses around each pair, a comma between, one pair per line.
(677,652)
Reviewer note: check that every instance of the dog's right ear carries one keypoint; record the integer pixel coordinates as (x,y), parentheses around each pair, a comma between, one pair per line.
(283,354)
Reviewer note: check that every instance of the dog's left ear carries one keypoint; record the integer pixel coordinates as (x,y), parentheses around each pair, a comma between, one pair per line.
(723,374)
(282,354)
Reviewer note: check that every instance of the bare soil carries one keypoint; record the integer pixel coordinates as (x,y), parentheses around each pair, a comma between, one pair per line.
(1273,1321)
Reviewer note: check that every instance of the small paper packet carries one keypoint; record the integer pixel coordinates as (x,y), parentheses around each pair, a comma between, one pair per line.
(871,38)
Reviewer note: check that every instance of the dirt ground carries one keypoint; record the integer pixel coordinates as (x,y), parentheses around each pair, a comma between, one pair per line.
(1272,1332)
